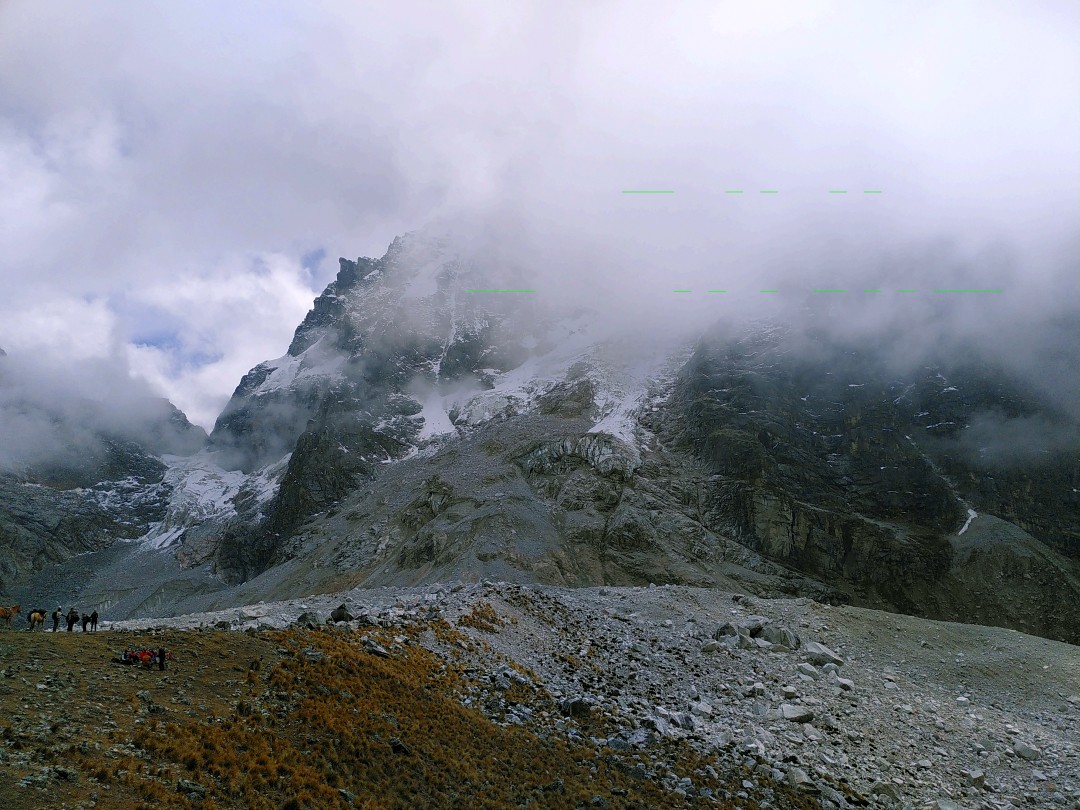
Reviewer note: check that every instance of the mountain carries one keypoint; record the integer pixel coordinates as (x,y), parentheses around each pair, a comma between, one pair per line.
(420,429)
(74,478)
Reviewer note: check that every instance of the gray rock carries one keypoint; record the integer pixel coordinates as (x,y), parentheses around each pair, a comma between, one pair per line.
(309,619)
(191,788)
(809,670)
(579,707)
(710,646)
(783,636)
(341,614)
(702,709)
(796,713)
(375,648)
(1025,750)
(820,654)
(882,788)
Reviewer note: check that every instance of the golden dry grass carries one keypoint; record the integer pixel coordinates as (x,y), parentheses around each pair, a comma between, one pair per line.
(290,719)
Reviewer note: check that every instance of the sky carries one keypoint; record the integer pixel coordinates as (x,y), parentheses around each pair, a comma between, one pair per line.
(177,180)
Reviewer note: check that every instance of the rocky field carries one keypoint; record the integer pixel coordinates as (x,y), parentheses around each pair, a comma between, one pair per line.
(503,695)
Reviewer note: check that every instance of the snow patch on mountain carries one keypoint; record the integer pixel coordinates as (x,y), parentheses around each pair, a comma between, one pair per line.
(319,360)
(626,391)
(972,514)
(202,491)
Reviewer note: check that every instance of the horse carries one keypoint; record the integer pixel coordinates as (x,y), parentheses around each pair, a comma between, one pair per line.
(37,617)
(7,614)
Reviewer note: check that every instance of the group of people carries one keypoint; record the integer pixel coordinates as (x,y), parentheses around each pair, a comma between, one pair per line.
(72,618)
(148,659)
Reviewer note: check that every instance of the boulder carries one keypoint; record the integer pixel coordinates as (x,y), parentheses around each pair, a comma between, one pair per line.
(579,707)
(796,713)
(309,619)
(820,654)
(809,670)
(1025,750)
(784,636)
(341,614)
(375,648)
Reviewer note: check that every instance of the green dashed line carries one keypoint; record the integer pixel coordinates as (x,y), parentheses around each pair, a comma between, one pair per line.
(839,191)
(872,191)
(682,290)
(734,191)
(770,291)
(769,191)
(716,290)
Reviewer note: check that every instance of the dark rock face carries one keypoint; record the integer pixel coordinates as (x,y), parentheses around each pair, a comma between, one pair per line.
(102,485)
(862,482)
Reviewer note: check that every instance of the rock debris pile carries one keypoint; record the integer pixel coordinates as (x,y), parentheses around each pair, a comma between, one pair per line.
(852,707)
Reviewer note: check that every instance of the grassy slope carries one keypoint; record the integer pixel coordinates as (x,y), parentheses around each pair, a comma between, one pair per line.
(288,720)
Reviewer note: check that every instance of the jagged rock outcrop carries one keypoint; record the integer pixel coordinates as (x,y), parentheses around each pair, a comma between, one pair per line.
(863,478)
(416,431)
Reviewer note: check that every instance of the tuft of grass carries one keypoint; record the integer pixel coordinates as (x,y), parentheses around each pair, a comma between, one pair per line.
(483,617)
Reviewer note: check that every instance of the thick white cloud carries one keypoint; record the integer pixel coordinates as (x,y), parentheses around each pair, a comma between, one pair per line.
(148,151)
(249,306)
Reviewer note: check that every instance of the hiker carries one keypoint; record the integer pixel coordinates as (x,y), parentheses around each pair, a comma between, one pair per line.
(93,621)
(85,621)
(72,618)
(161,659)
(56,616)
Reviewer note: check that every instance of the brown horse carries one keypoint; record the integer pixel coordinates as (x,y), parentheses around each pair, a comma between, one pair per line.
(7,614)
(37,617)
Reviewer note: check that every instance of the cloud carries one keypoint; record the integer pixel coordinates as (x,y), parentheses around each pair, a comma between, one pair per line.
(221,321)
(66,420)
(153,151)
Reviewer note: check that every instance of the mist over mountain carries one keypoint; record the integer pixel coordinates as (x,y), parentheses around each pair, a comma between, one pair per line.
(59,420)
(422,428)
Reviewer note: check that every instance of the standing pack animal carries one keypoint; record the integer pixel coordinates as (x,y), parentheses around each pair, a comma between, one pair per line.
(9,613)
(71,618)
(37,617)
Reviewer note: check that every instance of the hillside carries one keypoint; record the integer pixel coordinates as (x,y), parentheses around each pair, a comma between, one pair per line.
(498,695)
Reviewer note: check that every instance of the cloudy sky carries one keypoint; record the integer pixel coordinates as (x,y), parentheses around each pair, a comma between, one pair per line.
(177,180)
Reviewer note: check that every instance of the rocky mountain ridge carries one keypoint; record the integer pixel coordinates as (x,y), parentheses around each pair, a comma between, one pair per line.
(417,431)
